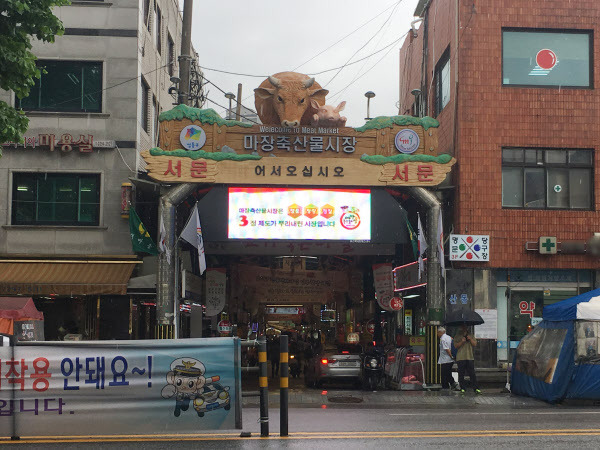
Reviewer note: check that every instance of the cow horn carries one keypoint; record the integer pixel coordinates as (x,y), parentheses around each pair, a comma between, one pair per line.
(308,83)
(275,81)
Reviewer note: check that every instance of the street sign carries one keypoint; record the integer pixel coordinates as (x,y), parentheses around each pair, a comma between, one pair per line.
(469,247)
(397,303)
(547,245)
(225,327)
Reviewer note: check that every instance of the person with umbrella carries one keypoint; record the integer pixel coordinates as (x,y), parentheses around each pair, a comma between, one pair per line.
(464,343)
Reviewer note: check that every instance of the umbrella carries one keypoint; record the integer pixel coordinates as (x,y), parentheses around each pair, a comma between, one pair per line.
(463,316)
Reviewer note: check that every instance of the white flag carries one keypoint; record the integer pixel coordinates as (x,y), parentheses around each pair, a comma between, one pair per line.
(422,245)
(192,233)
(162,240)
(441,245)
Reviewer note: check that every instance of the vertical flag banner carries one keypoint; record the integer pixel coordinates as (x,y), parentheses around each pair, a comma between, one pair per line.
(140,238)
(192,233)
(413,239)
(440,232)
(162,240)
(422,245)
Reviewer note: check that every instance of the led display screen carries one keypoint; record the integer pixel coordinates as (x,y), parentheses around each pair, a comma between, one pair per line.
(307,214)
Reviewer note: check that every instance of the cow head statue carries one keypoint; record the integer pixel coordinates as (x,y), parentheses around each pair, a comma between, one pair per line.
(285,98)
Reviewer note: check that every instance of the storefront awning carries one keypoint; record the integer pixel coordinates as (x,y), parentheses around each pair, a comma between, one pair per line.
(65,277)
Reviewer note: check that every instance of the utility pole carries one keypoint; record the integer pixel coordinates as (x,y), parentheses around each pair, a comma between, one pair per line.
(167,291)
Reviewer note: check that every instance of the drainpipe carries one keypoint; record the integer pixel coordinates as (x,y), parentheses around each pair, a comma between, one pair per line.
(167,294)
(435,295)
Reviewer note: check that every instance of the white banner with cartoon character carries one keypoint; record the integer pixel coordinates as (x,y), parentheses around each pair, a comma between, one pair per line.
(120,387)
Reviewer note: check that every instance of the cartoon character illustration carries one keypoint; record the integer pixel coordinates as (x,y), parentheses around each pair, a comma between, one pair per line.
(214,397)
(186,382)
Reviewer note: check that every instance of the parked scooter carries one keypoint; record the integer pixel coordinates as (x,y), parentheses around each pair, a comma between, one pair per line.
(373,364)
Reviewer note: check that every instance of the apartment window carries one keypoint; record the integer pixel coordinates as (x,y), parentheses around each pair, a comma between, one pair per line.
(171,55)
(155,114)
(442,82)
(547,58)
(158,29)
(547,178)
(147,13)
(145,107)
(55,199)
(73,86)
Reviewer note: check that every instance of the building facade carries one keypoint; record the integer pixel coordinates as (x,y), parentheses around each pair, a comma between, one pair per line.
(64,233)
(513,87)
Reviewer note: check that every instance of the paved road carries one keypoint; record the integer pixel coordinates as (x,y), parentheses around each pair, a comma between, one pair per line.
(514,424)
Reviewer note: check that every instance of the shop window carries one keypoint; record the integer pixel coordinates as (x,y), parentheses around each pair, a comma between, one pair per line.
(55,199)
(547,179)
(146,13)
(155,113)
(70,86)
(442,82)
(547,58)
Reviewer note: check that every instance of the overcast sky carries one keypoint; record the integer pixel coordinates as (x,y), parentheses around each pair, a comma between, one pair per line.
(269,36)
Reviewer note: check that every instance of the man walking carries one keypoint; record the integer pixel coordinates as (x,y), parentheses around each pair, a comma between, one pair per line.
(464,343)
(445,360)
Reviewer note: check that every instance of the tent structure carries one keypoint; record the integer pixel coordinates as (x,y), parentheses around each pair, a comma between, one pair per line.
(560,358)
(17,309)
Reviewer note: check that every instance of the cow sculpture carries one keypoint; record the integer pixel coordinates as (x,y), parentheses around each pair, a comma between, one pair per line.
(285,98)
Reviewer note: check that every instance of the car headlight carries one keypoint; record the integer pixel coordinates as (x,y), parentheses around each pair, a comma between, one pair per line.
(223,395)
(198,401)
(373,363)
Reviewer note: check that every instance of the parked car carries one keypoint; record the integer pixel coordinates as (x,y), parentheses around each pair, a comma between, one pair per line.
(215,396)
(337,362)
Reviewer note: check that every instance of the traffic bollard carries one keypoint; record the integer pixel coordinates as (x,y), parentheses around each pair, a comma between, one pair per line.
(263,387)
(283,385)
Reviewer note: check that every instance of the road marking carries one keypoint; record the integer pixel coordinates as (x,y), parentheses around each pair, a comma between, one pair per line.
(548,413)
(314,435)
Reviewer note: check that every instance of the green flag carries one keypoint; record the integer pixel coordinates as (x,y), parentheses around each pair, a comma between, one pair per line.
(413,238)
(140,239)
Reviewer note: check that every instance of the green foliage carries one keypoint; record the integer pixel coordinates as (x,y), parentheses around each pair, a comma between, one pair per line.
(381,122)
(209,116)
(201,154)
(401,158)
(20,20)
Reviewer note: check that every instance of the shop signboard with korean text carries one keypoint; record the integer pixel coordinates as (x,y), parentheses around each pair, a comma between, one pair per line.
(98,388)
(216,290)
(307,214)
(198,146)
(469,247)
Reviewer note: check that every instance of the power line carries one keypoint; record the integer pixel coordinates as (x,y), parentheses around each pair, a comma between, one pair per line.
(349,34)
(236,100)
(364,45)
(224,107)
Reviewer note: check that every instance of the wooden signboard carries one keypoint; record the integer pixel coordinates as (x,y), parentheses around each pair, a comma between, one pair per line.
(198,146)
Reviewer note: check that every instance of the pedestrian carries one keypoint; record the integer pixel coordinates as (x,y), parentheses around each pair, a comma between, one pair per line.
(464,343)
(445,360)
(273,353)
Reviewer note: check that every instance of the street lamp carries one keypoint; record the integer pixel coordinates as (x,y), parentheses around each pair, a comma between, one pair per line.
(369,95)
(417,94)
(230,96)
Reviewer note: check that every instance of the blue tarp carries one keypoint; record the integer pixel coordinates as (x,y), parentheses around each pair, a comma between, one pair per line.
(567,309)
(546,365)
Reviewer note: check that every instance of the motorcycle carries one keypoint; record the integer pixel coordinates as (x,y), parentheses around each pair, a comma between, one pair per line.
(373,364)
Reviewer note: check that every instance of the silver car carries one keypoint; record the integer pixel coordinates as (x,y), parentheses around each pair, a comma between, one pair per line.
(341,362)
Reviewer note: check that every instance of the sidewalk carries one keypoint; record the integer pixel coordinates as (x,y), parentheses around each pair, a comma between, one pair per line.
(391,399)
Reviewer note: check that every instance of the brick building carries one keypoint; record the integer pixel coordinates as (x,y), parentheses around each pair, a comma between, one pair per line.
(513,87)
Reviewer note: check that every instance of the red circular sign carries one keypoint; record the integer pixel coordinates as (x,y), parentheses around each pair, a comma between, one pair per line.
(397,303)
(546,59)
(225,326)
(371,327)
